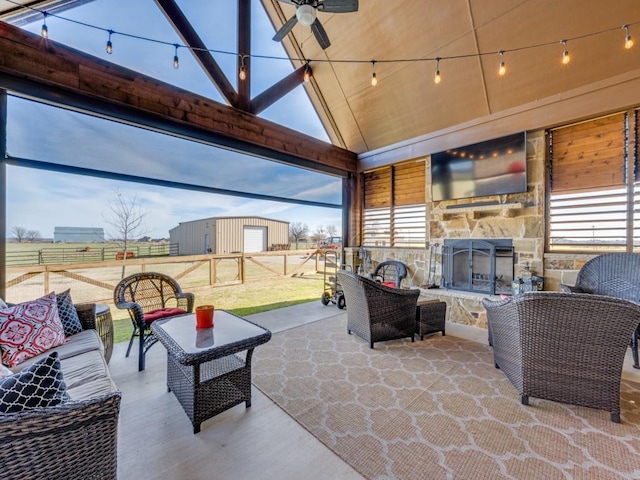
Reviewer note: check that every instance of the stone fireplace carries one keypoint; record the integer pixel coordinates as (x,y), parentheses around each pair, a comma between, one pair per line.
(478,265)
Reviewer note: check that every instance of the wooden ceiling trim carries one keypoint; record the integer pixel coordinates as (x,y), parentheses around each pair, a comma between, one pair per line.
(192,39)
(28,58)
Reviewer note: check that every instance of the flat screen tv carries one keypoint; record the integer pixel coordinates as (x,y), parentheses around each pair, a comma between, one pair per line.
(492,167)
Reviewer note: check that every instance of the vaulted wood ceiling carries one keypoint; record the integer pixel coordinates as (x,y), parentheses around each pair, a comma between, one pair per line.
(406,103)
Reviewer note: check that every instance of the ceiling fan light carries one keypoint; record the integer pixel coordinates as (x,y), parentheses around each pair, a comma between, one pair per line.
(306,15)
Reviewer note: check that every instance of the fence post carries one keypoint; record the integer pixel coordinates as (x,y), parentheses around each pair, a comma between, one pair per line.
(285,264)
(212,271)
(40,261)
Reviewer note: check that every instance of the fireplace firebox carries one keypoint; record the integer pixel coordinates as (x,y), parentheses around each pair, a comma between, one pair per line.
(480,266)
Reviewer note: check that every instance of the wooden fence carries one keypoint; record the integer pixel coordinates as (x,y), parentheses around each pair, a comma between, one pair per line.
(96,281)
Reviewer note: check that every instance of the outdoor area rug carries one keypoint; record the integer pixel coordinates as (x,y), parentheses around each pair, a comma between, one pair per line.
(437,409)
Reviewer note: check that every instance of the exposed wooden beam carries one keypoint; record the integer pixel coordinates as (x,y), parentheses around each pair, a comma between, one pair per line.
(244,48)
(277,91)
(27,61)
(192,39)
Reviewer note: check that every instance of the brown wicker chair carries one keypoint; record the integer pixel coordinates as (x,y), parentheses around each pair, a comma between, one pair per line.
(149,296)
(377,313)
(614,274)
(563,347)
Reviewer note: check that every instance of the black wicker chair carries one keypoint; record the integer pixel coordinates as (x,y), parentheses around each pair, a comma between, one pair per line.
(149,296)
(377,313)
(568,348)
(616,275)
(390,271)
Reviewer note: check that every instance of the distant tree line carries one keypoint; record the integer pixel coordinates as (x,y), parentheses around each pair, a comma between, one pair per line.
(21,234)
(299,231)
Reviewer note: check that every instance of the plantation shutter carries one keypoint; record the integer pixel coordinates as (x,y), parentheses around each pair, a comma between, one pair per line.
(409,183)
(377,208)
(409,213)
(589,156)
(377,188)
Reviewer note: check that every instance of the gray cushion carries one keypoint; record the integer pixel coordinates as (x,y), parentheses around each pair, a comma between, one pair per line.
(39,385)
(85,341)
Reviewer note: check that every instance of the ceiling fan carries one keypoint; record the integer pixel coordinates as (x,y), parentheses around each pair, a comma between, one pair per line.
(306,11)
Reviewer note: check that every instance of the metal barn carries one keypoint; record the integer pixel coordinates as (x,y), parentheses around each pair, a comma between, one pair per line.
(78,235)
(229,235)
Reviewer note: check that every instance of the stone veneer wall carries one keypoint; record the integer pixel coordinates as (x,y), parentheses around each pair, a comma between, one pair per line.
(519,217)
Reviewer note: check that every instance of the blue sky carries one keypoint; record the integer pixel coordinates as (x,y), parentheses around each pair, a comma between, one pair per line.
(41,200)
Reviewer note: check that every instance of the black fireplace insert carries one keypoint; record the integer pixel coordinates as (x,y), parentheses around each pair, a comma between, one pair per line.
(478,265)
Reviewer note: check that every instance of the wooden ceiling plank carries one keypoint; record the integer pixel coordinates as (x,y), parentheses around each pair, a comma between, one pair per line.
(188,34)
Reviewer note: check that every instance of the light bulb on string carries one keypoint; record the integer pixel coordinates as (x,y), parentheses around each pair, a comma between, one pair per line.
(176,61)
(243,73)
(437,78)
(628,42)
(566,58)
(307,72)
(45,30)
(109,44)
(503,66)
(374,78)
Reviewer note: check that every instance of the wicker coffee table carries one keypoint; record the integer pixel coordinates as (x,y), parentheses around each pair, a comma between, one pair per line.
(204,370)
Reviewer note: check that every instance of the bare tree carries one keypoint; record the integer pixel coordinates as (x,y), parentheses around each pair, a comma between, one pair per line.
(331,230)
(19,233)
(127,220)
(32,235)
(319,234)
(297,231)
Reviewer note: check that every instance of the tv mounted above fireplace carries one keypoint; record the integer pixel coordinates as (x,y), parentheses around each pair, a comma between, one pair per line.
(492,167)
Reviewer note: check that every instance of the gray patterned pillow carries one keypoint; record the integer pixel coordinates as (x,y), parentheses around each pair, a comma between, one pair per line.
(67,313)
(39,385)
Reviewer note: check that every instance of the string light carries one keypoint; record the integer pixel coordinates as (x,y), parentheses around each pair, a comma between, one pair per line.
(176,61)
(45,30)
(243,73)
(109,44)
(566,58)
(374,78)
(628,43)
(307,72)
(565,55)
(437,78)
(503,66)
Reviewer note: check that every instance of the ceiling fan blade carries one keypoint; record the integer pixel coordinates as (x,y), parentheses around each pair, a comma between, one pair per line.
(320,34)
(290,2)
(285,29)
(338,6)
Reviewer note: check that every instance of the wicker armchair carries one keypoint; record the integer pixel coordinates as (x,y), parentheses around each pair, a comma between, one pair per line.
(615,275)
(148,296)
(378,313)
(563,347)
(390,271)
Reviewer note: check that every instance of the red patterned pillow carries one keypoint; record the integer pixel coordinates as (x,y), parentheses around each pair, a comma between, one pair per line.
(30,328)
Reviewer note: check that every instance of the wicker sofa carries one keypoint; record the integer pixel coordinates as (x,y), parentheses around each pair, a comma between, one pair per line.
(78,438)
(564,347)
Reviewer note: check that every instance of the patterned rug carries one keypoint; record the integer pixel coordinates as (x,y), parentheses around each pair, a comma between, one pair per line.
(437,409)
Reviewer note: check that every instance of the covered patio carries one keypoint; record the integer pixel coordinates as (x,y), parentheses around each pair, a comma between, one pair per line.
(402,86)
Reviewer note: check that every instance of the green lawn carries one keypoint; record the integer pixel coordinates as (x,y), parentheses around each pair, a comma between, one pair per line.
(245,299)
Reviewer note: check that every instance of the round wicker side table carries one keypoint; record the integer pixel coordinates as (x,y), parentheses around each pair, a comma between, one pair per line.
(104,325)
